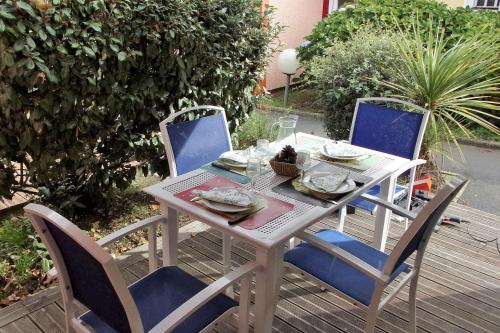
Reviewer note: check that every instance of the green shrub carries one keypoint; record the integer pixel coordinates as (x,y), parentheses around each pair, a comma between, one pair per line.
(22,255)
(389,14)
(85,83)
(14,233)
(257,126)
(352,69)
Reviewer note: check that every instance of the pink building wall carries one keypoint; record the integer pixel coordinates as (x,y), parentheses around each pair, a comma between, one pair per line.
(298,18)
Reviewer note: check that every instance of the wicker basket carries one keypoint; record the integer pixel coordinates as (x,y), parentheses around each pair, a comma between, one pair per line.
(284,169)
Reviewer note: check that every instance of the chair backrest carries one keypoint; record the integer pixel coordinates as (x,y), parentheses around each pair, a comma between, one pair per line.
(389,130)
(191,144)
(418,234)
(86,272)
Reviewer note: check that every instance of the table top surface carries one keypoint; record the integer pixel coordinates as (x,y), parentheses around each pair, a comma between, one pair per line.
(287,225)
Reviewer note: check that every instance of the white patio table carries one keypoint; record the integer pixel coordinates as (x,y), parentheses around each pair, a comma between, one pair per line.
(270,239)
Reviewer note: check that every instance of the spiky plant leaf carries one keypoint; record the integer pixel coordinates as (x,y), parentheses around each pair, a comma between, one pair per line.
(457,83)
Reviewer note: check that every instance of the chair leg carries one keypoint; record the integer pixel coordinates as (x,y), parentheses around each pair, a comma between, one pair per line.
(244,309)
(373,309)
(292,242)
(412,303)
(371,319)
(153,261)
(342,214)
(226,259)
(226,253)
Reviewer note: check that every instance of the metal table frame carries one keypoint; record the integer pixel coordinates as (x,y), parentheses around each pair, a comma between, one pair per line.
(270,239)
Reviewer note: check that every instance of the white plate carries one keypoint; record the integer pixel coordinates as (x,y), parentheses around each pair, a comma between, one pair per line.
(342,152)
(231,164)
(234,157)
(221,207)
(347,186)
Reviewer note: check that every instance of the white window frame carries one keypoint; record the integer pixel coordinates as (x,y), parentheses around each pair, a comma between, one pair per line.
(333,5)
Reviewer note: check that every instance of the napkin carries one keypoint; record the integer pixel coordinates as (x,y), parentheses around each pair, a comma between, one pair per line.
(329,183)
(341,150)
(229,195)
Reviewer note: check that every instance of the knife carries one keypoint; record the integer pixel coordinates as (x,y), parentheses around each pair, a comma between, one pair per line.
(244,217)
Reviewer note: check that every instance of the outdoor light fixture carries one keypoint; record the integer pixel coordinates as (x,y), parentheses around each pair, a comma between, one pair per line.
(288,65)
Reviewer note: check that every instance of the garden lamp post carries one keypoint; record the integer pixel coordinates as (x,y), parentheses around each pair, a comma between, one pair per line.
(288,65)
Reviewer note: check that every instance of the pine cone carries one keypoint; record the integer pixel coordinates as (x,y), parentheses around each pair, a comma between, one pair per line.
(287,155)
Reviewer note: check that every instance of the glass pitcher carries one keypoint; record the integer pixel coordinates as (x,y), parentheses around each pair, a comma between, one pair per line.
(286,130)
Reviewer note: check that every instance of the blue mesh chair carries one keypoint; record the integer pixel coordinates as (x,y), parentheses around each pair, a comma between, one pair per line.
(192,144)
(360,273)
(392,131)
(167,299)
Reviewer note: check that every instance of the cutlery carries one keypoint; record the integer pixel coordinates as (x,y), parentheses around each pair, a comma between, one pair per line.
(244,217)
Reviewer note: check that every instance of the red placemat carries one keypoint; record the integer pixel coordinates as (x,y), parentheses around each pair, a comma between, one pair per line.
(274,207)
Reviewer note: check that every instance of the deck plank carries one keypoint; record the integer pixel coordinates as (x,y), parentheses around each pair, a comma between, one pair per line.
(21,325)
(49,318)
(459,288)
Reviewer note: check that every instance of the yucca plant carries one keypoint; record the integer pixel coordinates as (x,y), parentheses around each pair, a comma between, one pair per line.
(457,83)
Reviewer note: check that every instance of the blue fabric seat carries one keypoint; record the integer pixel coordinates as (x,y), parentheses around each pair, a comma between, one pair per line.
(192,144)
(389,130)
(328,255)
(163,291)
(336,272)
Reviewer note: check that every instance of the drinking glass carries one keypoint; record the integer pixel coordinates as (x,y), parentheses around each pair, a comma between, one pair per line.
(253,170)
(303,162)
(263,146)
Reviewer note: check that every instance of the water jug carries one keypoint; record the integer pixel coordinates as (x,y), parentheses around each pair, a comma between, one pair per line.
(286,130)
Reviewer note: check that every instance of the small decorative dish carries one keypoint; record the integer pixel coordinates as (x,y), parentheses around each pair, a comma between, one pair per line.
(284,169)
(284,162)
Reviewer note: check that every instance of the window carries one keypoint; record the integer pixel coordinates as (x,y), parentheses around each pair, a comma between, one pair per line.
(493,4)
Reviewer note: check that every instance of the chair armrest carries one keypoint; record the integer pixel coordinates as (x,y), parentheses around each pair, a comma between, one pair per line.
(408,166)
(154,220)
(394,208)
(202,297)
(345,256)
(52,273)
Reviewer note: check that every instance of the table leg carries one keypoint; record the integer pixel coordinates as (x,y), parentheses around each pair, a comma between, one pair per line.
(169,235)
(267,286)
(383,216)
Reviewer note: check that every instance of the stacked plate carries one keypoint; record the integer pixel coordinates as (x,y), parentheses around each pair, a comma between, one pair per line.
(340,151)
(227,199)
(234,159)
(329,183)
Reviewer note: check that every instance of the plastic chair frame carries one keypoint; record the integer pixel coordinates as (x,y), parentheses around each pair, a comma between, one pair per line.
(38,213)
(382,277)
(412,165)
(226,239)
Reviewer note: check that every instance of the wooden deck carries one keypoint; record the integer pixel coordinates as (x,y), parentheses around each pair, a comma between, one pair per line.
(459,289)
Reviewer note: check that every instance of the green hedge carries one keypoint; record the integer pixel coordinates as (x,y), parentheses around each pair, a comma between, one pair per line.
(350,70)
(389,14)
(84,84)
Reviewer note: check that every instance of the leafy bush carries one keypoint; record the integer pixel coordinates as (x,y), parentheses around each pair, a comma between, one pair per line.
(389,14)
(257,126)
(85,83)
(352,69)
